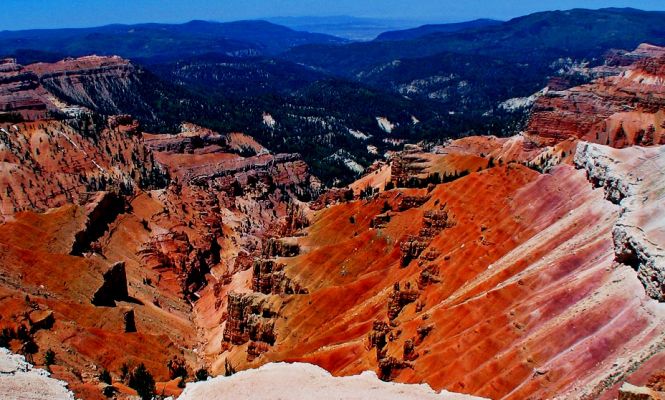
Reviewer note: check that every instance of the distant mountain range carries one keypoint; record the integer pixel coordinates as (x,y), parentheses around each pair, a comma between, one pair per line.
(165,41)
(472,70)
(240,195)
(352,28)
(327,94)
(425,30)
(578,33)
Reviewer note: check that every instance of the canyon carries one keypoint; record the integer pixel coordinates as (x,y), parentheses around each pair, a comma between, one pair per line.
(529,266)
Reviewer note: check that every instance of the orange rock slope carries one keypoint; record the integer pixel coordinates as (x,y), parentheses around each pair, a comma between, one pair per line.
(504,283)
(516,295)
(50,163)
(109,233)
(68,87)
(523,267)
(620,110)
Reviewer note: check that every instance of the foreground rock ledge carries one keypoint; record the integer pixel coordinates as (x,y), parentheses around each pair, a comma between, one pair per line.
(307,381)
(19,380)
(633,179)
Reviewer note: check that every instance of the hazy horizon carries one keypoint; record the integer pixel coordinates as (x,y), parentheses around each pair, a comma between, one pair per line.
(44,14)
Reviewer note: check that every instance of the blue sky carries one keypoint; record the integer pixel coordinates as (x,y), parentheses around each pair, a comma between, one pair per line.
(25,14)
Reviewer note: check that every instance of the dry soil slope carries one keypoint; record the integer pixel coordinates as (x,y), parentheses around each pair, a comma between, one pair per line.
(521,297)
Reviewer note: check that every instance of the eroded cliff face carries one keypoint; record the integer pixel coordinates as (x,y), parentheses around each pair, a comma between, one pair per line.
(509,285)
(110,234)
(93,312)
(618,111)
(522,267)
(48,163)
(70,87)
(630,179)
(480,273)
(276,381)
(107,85)
(21,93)
(623,107)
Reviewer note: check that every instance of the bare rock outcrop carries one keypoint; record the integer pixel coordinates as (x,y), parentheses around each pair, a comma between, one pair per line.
(280,248)
(428,276)
(190,259)
(633,179)
(408,202)
(388,365)
(52,163)
(273,381)
(41,319)
(21,93)
(269,277)
(434,221)
(411,248)
(632,392)
(409,351)
(249,318)
(114,287)
(381,220)
(377,336)
(17,376)
(104,84)
(399,298)
(619,111)
(129,320)
(406,168)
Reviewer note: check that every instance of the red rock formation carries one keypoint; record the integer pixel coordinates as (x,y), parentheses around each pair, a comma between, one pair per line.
(519,298)
(624,107)
(70,87)
(92,82)
(41,279)
(279,248)
(330,197)
(255,349)
(410,353)
(621,110)
(405,167)
(249,318)
(51,163)
(21,93)
(408,202)
(380,221)
(400,298)
(172,236)
(268,277)
(623,58)
(389,366)
(511,283)
(411,248)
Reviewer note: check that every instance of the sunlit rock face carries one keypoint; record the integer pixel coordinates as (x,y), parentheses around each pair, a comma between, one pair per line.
(275,381)
(49,163)
(520,267)
(618,111)
(631,179)
(109,233)
(521,275)
(17,377)
(69,87)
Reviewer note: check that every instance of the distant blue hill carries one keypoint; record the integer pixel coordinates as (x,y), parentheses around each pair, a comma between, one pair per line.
(352,28)
(164,41)
(415,33)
